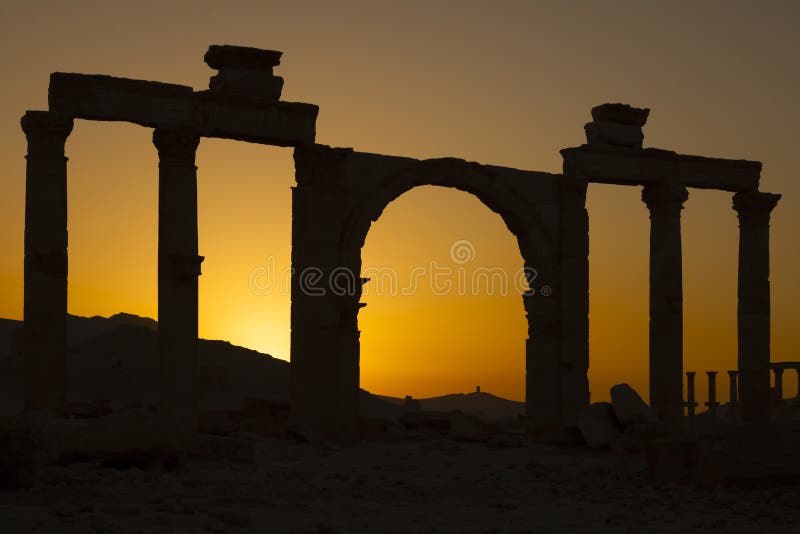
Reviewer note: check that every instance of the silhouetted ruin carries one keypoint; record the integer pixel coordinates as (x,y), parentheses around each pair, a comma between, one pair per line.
(340,192)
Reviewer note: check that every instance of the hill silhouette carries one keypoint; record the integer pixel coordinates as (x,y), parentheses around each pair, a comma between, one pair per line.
(112,362)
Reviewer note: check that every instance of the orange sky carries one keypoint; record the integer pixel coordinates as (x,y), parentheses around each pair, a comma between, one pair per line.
(508,84)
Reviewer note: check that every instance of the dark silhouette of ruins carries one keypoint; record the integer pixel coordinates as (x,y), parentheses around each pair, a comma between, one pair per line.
(339,193)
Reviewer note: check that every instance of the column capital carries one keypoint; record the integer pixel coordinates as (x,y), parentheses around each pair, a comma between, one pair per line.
(754,207)
(46,131)
(177,145)
(664,199)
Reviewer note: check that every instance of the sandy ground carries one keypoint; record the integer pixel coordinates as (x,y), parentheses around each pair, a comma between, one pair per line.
(427,486)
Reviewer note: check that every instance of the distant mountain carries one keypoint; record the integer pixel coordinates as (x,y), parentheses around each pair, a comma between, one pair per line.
(113,361)
(480,404)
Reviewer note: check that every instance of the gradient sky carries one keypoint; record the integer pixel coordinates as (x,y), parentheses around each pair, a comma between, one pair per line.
(507,83)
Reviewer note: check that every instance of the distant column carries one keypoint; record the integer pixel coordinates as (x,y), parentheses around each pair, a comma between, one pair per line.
(754,210)
(178,270)
(665,202)
(45,300)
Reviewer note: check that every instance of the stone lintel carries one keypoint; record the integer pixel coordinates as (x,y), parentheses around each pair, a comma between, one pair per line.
(625,166)
(257,120)
(106,98)
(160,105)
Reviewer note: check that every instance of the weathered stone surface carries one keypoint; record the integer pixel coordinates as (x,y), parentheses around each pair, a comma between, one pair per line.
(616,125)
(256,119)
(598,425)
(234,81)
(618,165)
(604,132)
(621,114)
(628,405)
(108,98)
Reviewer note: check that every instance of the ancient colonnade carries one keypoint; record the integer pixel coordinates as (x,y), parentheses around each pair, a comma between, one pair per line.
(339,193)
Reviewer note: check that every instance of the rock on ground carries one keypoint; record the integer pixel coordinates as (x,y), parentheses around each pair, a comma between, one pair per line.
(598,425)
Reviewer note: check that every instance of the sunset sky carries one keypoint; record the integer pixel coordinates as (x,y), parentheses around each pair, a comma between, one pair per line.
(506,83)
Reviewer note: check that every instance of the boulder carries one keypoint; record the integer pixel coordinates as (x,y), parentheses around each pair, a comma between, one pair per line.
(629,406)
(427,422)
(121,432)
(598,425)
(467,428)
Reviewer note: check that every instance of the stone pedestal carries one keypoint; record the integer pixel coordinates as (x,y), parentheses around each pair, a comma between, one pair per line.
(178,270)
(665,202)
(754,210)
(45,302)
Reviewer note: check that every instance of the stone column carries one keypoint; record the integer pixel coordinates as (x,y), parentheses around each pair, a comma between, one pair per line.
(665,202)
(178,269)
(754,209)
(543,374)
(44,343)
(326,292)
(574,296)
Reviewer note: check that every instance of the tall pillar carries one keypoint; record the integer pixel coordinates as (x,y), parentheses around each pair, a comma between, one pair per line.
(574,296)
(45,301)
(326,290)
(665,202)
(754,209)
(178,269)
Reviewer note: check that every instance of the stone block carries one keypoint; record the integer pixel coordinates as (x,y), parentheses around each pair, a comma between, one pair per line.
(598,425)
(467,428)
(605,132)
(629,406)
(107,98)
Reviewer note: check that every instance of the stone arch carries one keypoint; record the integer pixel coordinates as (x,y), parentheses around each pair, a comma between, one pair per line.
(339,194)
(536,245)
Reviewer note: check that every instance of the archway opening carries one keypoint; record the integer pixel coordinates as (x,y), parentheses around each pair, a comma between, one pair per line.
(244,203)
(618,290)
(710,238)
(112,223)
(444,311)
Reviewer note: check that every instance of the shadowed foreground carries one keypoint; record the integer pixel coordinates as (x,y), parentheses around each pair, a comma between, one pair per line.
(427,486)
